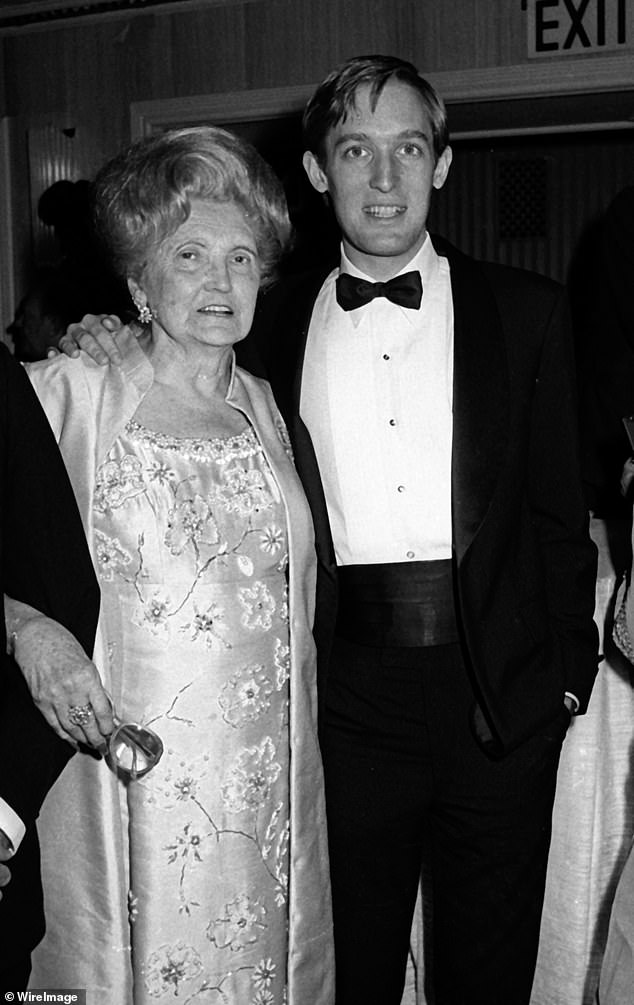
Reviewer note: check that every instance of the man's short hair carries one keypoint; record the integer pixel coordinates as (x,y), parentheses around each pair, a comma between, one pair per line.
(335,98)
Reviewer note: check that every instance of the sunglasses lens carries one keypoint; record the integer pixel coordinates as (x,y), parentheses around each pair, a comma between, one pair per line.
(134,750)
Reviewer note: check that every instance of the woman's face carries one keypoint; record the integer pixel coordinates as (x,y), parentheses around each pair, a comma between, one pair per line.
(202,282)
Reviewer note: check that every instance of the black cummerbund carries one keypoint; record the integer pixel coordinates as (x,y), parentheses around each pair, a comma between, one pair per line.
(397,604)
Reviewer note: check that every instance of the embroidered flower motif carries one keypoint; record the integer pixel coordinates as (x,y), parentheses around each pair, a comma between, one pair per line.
(244,492)
(190,522)
(258,605)
(284,612)
(250,778)
(245,565)
(111,555)
(263,997)
(154,614)
(276,841)
(264,973)
(271,830)
(281,865)
(282,660)
(179,783)
(161,473)
(206,625)
(240,927)
(271,539)
(246,695)
(117,481)
(282,432)
(169,967)
(186,845)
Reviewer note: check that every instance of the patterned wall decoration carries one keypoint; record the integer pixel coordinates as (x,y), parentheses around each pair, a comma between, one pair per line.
(531,201)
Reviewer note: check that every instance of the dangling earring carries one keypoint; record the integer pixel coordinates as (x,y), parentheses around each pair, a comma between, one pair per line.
(145,314)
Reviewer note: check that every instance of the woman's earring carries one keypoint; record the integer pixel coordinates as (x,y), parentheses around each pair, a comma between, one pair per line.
(145,314)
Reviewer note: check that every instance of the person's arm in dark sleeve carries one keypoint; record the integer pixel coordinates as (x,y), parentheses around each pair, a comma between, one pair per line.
(46,564)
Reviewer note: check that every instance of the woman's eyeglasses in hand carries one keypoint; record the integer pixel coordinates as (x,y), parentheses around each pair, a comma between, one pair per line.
(133,750)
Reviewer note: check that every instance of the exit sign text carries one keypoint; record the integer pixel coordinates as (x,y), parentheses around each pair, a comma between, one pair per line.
(574,27)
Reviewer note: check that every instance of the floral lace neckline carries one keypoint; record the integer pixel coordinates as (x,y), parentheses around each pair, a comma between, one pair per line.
(221,449)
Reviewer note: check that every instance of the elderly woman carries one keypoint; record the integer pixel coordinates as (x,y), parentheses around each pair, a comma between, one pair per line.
(206,878)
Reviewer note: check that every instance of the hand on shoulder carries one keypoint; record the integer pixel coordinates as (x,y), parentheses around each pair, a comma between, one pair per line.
(95,335)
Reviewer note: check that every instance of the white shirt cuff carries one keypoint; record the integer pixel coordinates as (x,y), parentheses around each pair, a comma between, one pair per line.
(575,701)
(11,824)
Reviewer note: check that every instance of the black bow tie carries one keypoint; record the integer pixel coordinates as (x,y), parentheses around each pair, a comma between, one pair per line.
(405,290)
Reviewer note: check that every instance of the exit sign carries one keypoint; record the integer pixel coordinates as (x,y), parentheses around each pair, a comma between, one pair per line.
(575,27)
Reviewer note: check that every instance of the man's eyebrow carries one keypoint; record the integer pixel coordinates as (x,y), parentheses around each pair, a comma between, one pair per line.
(350,137)
(407,134)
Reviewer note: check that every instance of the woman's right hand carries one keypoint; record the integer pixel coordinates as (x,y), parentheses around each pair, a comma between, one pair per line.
(64,683)
(94,334)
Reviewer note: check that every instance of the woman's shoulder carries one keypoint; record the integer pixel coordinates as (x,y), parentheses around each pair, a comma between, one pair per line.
(83,369)
(59,369)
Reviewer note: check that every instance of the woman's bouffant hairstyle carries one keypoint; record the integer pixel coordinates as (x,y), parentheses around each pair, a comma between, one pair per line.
(144,194)
(335,98)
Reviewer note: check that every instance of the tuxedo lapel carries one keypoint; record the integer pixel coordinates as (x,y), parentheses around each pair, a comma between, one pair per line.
(305,459)
(481,400)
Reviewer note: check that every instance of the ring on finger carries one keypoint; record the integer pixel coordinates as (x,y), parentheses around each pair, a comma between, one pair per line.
(79,715)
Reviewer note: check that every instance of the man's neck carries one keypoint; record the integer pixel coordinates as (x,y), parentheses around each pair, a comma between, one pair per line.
(380,268)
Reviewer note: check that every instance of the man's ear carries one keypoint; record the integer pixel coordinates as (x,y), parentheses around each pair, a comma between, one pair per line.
(442,168)
(316,174)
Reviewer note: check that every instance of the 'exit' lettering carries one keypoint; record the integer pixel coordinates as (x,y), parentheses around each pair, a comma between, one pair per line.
(573,27)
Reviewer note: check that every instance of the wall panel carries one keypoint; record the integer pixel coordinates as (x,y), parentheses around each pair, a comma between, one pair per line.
(84,76)
(584,173)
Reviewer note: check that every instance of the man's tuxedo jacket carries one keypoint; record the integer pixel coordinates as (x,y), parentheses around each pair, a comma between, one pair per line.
(524,564)
(44,561)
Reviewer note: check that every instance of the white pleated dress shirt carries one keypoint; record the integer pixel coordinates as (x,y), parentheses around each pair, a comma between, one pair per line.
(377,398)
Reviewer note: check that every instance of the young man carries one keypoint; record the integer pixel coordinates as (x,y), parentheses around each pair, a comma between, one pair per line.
(433,426)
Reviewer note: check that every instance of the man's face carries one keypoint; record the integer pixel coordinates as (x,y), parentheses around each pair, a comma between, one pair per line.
(379,171)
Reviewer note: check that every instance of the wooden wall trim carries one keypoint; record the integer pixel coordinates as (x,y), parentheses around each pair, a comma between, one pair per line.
(232,106)
(7,257)
(44,15)
(572,76)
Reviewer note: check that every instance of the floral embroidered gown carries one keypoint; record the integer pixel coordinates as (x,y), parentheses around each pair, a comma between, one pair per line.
(191,544)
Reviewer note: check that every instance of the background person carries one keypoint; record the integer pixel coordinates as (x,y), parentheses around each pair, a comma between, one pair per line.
(45,566)
(76,279)
(209,876)
(433,425)
(616,978)
(603,316)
